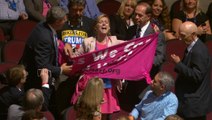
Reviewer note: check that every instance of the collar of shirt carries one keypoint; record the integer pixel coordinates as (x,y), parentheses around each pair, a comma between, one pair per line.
(52,29)
(191,45)
(143,29)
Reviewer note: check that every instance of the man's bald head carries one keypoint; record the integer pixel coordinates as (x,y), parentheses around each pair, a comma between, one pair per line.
(188,32)
(188,27)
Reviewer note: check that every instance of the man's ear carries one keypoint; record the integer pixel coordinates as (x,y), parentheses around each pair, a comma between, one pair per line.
(163,87)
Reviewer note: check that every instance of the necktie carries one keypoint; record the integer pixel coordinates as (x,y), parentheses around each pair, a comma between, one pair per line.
(138,31)
(186,51)
(56,49)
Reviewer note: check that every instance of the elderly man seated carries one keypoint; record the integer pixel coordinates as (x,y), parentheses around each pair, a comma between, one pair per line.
(159,102)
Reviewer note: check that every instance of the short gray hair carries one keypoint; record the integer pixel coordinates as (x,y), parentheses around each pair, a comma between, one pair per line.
(55,13)
(166,79)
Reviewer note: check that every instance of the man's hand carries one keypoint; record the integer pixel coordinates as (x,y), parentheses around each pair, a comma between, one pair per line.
(119,85)
(68,49)
(44,76)
(175,58)
(66,69)
(23,16)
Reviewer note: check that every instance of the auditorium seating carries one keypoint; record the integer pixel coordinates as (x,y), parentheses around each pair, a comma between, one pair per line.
(2,37)
(22,30)
(12,53)
(109,7)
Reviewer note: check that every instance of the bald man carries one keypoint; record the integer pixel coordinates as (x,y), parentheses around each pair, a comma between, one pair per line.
(193,82)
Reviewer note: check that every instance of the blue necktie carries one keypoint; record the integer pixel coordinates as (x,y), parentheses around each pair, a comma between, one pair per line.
(56,49)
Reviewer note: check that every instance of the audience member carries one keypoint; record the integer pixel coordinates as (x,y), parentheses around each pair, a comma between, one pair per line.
(193,82)
(173,117)
(37,9)
(191,12)
(88,104)
(64,4)
(209,13)
(41,50)
(34,99)
(160,14)
(91,9)
(161,18)
(142,28)
(13,94)
(77,28)
(11,11)
(33,115)
(159,102)
(100,41)
(123,19)
(175,8)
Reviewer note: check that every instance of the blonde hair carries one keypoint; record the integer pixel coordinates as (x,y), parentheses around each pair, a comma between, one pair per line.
(97,21)
(91,98)
(123,3)
(183,6)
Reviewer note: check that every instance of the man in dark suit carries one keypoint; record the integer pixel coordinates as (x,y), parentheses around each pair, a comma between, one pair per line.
(142,28)
(41,49)
(193,82)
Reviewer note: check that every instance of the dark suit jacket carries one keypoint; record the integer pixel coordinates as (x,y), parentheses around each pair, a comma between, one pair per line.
(34,8)
(8,96)
(193,82)
(161,45)
(40,52)
(118,27)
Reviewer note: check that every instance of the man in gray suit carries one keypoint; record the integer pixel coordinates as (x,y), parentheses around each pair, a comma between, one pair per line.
(142,28)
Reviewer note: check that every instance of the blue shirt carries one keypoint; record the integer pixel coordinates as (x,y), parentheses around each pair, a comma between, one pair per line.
(7,13)
(153,107)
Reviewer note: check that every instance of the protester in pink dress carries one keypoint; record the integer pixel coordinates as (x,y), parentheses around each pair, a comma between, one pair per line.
(100,41)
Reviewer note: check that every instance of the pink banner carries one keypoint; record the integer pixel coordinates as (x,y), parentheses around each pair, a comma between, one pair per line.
(130,60)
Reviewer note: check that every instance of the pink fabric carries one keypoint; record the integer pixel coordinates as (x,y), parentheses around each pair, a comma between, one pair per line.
(114,62)
(110,104)
(46,7)
(80,86)
(62,57)
(100,46)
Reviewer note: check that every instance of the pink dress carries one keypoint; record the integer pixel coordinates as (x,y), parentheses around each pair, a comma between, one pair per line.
(110,103)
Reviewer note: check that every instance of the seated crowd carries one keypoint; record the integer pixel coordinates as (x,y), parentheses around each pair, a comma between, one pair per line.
(68,29)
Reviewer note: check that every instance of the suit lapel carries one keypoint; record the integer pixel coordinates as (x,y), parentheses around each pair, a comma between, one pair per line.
(149,30)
